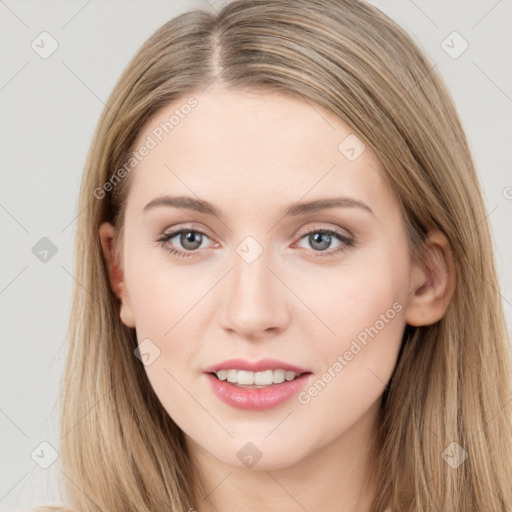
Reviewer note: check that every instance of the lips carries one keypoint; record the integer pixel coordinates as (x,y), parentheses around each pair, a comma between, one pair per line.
(256,366)
(257,399)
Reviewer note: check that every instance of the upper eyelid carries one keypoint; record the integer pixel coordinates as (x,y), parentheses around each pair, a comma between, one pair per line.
(172,232)
(303,231)
(322,226)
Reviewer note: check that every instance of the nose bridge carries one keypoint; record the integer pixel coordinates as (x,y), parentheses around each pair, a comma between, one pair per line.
(254,297)
(251,276)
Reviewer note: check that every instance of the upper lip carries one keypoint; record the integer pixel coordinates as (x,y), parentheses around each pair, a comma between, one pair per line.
(255,366)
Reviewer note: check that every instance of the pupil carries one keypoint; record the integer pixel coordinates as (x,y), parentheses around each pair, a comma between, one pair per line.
(189,238)
(322,238)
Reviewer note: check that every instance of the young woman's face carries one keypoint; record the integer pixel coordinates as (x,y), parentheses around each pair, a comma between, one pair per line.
(322,288)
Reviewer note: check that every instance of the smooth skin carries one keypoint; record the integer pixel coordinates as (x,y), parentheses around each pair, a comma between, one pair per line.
(252,154)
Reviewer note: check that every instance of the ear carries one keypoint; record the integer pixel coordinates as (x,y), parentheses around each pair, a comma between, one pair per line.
(433,286)
(116,275)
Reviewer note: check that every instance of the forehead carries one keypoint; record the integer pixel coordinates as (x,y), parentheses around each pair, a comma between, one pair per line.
(249,146)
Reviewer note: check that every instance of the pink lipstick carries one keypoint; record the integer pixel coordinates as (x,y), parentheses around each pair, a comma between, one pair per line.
(256,385)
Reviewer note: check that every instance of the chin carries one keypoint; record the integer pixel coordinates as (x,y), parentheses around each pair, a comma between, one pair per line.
(258,455)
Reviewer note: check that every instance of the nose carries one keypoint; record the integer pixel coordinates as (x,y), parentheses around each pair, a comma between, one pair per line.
(256,303)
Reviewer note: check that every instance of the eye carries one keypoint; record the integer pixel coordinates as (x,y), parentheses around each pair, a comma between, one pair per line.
(321,239)
(190,239)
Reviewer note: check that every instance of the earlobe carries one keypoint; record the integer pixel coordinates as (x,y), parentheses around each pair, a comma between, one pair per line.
(116,276)
(433,286)
(126,315)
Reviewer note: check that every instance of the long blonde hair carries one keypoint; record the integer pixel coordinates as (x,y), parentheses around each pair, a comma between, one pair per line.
(120,450)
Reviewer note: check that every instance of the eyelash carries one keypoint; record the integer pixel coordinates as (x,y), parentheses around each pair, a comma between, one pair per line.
(347,241)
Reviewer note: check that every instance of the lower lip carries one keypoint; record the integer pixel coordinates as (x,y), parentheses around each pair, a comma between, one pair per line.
(256,399)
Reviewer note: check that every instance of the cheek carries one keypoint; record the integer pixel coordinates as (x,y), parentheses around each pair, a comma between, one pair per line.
(353,299)
(358,360)
(163,293)
(165,300)
(362,313)
(167,306)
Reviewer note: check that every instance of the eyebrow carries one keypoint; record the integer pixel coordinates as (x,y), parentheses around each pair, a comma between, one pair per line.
(295,209)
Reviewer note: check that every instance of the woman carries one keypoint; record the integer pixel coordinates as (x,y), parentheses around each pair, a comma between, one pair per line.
(287,296)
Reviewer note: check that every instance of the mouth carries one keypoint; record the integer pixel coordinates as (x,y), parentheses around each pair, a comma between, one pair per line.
(257,396)
(256,380)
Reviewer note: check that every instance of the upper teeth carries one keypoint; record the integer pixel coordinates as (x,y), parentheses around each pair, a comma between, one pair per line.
(258,378)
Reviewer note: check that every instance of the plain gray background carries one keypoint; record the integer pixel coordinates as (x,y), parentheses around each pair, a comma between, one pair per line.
(49,109)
